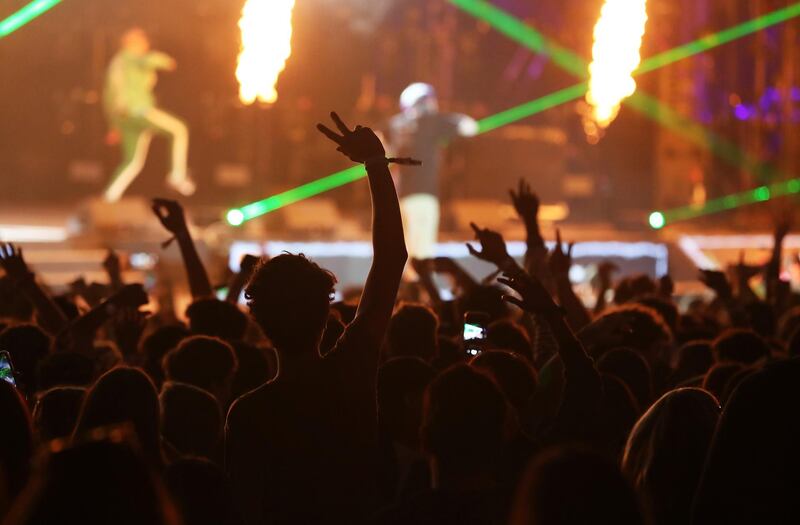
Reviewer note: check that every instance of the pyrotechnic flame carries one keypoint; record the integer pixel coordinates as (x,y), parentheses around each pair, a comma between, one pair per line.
(266,27)
(615,56)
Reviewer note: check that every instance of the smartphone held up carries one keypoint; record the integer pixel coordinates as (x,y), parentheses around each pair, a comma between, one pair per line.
(474,335)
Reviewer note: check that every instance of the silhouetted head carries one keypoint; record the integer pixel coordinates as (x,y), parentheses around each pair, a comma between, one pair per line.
(697,326)
(508,335)
(665,308)
(124,395)
(694,360)
(632,326)
(28,345)
(718,377)
(751,475)
(463,422)
(740,346)
(400,387)
(16,439)
(95,483)
(135,41)
(761,318)
(289,296)
(217,318)
(205,362)
(191,420)
(65,369)
(201,492)
(56,412)
(413,332)
(513,374)
(632,369)
(566,486)
(667,449)
(634,287)
(156,345)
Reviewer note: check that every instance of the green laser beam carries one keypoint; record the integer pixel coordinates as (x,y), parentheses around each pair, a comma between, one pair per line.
(691,130)
(696,133)
(725,36)
(536,41)
(532,108)
(528,36)
(25,15)
(305,191)
(659,219)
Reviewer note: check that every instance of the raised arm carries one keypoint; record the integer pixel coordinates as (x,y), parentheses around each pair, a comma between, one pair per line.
(239,280)
(603,283)
(560,262)
(50,316)
(718,283)
(160,60)
(527,205)
(83,329)
(582,385)
(171,215)
(388,243)
(113,267)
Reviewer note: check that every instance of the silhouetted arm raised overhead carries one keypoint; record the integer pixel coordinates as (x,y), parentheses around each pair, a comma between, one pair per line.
(170,213)
(50,316)
(390,255)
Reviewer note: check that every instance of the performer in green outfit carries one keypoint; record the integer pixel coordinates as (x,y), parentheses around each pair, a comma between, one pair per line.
(132,113)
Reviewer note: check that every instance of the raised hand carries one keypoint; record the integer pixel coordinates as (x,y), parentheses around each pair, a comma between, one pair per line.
(745,272)
(783,225)
(535,298)
(560,261)
(171,215)
(130,296)
(359,145)
(422,266)
(112,263)
(129,324)
(604,272)
(525,202)
(716,281)
(13,262)
(493,246)
(666,286)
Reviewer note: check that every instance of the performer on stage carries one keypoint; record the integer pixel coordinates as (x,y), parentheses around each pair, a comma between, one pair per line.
(421,131)
(134,117)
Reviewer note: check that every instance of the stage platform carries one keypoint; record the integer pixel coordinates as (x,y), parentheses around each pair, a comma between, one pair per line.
(65,243)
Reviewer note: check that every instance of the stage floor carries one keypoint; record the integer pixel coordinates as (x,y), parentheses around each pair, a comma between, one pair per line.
(66,242)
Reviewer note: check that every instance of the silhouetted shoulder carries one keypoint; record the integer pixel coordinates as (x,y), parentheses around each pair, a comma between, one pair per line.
(250,407)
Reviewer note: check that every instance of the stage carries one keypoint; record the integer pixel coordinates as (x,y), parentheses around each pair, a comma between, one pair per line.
(63,245)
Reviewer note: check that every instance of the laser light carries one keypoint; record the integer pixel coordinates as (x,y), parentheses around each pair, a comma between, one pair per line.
(657,220)
(235,217)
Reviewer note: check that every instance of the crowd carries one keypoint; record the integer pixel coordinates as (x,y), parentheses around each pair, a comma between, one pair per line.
(301,410)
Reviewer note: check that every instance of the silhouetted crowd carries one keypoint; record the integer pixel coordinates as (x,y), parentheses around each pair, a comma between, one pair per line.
(301,410)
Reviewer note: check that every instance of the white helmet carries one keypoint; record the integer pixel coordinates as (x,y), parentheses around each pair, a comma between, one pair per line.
(413,94)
